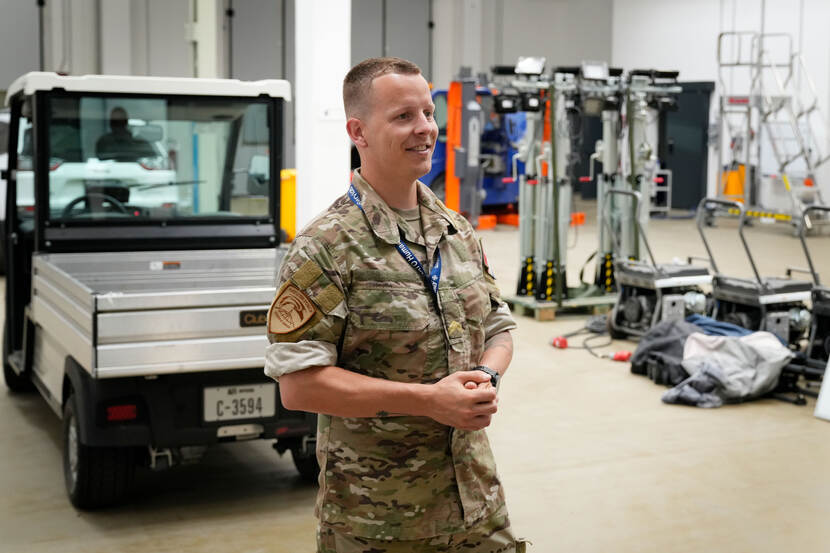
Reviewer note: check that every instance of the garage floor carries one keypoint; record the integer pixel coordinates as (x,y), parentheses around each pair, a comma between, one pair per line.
(592,461)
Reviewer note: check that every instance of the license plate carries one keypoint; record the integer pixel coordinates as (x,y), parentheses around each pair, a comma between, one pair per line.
(245,401)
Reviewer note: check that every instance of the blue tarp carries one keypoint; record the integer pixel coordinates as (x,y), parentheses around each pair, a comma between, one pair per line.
(717,328)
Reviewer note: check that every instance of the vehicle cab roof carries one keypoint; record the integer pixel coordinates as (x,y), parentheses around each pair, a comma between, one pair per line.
(185,86)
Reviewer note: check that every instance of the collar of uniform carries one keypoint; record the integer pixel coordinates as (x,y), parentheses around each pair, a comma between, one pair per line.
(435,217)
(380,216)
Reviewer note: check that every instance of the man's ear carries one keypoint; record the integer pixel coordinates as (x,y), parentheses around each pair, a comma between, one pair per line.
(355,128)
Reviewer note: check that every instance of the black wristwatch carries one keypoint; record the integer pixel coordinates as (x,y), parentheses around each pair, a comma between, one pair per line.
(494,375)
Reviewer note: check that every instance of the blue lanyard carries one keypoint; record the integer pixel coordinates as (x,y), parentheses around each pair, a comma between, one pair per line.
(434,273)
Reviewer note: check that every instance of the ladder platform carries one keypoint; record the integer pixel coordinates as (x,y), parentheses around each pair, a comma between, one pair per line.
(546,310)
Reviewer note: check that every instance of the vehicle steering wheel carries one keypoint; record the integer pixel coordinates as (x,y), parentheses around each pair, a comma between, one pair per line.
(67,210)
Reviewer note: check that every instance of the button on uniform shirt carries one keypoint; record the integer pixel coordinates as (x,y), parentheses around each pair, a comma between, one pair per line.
(346,297)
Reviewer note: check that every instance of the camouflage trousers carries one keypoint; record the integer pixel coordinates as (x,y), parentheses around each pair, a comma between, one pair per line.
(501,541)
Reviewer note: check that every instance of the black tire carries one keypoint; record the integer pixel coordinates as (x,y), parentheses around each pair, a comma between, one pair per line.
(95,476)
(439,187)
(15,382)
(306,464)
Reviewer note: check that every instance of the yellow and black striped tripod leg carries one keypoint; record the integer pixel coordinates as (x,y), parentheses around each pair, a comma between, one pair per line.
(527,278)
(548,279)
(605,275)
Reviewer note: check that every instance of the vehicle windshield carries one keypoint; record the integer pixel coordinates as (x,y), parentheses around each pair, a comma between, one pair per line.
(131,158)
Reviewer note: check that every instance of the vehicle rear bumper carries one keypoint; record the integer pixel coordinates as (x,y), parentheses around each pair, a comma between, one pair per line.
(170,411)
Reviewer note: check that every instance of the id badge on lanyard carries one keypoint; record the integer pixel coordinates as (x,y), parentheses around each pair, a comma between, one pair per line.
(434,277)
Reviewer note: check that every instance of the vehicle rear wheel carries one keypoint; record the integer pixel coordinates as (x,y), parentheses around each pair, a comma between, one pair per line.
(15,382)
(95,476)
(306,464)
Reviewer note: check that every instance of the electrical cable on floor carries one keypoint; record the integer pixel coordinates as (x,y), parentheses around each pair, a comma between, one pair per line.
(597,327)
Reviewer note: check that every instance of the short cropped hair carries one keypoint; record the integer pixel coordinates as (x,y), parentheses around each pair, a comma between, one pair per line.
(357,86)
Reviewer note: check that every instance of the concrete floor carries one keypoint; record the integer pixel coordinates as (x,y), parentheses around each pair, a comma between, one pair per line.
(592,461)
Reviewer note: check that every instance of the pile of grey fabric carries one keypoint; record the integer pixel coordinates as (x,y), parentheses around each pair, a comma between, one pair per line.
(709,362)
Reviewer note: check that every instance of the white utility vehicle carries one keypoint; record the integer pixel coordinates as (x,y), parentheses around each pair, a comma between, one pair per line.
(139,276)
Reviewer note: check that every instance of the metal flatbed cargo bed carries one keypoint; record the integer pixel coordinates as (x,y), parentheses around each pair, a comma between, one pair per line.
(150,313)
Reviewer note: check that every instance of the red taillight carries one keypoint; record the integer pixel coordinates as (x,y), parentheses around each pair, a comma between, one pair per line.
(122,413)
(29,208)
(153,163)
(55,163)
(168,205)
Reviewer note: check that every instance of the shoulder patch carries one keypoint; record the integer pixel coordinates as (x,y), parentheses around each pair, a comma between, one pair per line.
(290,310)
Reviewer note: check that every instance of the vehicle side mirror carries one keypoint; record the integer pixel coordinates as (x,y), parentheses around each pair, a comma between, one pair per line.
(259,172)
(150,133)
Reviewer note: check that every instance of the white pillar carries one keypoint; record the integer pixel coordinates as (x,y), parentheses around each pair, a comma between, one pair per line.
(207,35)
(322,55)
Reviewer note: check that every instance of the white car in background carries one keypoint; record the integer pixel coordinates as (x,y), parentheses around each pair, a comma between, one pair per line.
(143,186)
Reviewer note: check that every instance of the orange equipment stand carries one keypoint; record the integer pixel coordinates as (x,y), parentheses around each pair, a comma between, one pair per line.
(451,182)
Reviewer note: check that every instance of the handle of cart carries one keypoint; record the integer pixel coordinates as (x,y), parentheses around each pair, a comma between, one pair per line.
(802,230)
(636,209)
(709,205)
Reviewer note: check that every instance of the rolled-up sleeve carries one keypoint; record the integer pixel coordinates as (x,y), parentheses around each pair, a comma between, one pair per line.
(310,270)
(287,357)
(499,320)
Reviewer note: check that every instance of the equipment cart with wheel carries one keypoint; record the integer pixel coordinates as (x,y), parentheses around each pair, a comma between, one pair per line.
(650,292)
(773,304)
(818,341)
(138,285)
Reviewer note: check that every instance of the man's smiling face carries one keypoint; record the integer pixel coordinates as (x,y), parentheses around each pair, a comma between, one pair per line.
(399,128)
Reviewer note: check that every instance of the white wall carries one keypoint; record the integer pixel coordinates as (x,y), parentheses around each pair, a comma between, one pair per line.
(483,33)
(565,31)
(258,44)
(71,36)
(445,43)
(19,49)
(367,29)
(682,35)
(117,54)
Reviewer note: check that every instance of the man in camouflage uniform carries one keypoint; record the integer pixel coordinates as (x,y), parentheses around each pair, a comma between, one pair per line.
(388,324)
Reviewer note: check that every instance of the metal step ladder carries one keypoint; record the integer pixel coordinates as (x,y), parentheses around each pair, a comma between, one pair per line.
(793,123)
(770,105)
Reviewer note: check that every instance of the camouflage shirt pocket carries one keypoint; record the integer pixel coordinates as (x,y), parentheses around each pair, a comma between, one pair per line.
(475,302)
(387,331)
(475,299)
